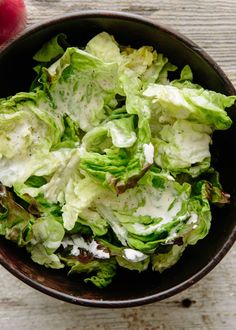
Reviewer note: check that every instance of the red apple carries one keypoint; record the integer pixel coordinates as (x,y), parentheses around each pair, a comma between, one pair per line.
(12,18)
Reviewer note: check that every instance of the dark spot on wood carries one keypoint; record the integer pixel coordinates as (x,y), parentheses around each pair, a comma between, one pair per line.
(186,303)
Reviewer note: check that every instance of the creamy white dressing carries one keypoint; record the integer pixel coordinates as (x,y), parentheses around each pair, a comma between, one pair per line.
(140,229)
(79,243)
(193,218)
(83,101)
(52,245)
(148,150)
(134,255)
(21,136)
(157,204)
(129,200)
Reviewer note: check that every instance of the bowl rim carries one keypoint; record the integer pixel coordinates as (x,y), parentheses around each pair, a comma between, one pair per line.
(231,239)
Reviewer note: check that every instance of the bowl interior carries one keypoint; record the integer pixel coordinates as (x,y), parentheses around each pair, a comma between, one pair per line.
(128,288)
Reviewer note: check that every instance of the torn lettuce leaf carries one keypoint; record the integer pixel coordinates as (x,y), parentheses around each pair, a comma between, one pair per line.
(162,261)
(48,233)
(15,222)
(119,168)
(143,217)
(28,130)
(94,221)
(52,49)
(102,271)
(122,132)
(80,85)
(40,256)
(139,266)
(41,236)
(104,47)
(68,187)
(194,104)
(183,147)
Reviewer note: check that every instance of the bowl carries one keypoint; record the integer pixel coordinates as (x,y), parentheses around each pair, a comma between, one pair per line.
(128,288)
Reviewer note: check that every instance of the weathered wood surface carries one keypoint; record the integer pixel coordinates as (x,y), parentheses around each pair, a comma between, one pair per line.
(212,301)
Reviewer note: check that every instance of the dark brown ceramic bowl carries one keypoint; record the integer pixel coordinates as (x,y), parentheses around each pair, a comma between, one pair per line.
(128,288)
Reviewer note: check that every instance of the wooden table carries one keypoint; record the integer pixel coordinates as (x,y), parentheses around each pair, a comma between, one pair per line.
(211,303)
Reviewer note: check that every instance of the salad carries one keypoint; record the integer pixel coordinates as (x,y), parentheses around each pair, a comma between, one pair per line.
(106,162)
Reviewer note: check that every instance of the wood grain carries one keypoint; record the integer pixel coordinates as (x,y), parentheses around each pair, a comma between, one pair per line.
(211,302)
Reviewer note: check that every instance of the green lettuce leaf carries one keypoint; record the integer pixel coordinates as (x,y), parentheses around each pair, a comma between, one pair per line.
(143,217)
(139,266)
(15,222)
(28,132)
(104,47)
(122,132)
(80,78)
(52,49)
(195,104)
(49,232)
(183,147)
(104,270)
(40,256)
(42,165)
(119,168)
(41,236)
(68,187)
(94,221)
(71,135)
(162,261)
